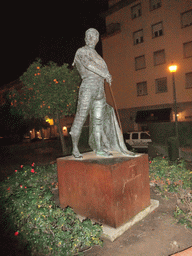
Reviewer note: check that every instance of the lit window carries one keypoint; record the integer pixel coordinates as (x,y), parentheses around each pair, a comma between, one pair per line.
(138,37)
(136,11)
(187,49)
(50,121)
(142,88)
(161,85)
(159,57)
(188,78)
(154,4)
(186,19)
(157,30)
(140,62)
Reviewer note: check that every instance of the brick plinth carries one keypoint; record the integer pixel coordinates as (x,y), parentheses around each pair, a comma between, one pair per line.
(108,190)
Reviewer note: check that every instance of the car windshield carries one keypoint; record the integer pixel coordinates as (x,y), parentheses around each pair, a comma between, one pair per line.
(145,135)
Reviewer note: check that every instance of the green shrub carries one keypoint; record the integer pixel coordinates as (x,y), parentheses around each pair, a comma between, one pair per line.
(26,200)
(174,177)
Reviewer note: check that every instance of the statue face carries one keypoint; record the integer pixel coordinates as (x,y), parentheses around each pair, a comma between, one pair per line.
(91,39)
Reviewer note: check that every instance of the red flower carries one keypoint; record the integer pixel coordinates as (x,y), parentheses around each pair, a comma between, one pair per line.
(8,188)
(21,166)
(150,162)
(32,170)
(33,164)
(25,187)
(15,170)
(16,233)
(21,186)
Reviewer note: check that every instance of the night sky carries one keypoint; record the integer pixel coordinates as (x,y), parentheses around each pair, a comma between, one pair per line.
(52,31)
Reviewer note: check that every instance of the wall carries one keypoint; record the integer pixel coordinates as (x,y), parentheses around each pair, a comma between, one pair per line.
(119,54)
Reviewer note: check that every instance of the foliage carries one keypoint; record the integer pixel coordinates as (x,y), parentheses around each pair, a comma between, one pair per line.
(170,177)
(174,177)
(26,200)
(47,90)
(13,126)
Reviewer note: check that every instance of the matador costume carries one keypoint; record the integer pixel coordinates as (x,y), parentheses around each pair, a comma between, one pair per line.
(104,132)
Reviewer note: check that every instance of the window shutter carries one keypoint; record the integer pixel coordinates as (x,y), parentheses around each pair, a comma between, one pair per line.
(186,18)
(187,49)
(161,85)
(157,29)
(140,62)
(188,77)
(159,57)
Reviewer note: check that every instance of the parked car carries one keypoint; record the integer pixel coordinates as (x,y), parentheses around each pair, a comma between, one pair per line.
(137,139)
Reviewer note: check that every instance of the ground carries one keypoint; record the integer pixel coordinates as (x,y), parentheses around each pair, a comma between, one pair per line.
(156,235)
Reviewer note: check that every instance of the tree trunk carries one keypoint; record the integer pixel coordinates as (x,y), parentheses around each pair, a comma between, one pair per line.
(42,135)
(63,146)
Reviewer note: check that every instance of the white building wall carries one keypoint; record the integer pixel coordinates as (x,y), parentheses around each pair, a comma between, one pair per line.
(119,53)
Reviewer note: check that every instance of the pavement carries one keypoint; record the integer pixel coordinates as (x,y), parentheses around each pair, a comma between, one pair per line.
(158,234)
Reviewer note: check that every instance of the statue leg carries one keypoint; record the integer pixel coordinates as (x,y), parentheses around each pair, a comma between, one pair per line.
(98,113)
(83,108)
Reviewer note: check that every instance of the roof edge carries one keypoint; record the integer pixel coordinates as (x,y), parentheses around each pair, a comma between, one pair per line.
(116,7)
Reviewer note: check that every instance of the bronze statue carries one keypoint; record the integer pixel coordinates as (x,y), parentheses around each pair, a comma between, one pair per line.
(105,134)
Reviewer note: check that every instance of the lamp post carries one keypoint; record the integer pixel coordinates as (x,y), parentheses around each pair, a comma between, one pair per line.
(173,69)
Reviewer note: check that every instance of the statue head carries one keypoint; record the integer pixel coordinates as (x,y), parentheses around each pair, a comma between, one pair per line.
(91,37)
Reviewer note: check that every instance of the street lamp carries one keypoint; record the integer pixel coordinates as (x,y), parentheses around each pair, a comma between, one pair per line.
(173,69)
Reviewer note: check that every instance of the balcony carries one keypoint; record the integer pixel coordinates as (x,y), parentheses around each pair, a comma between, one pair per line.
(112,29)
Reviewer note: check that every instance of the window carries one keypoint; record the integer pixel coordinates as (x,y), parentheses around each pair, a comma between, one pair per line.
(126,136)
(154,4)
(142,88)
(187,49)
(159,57)
(136,11)
(157,30)
(161,85)
(134,136)
(138,37)
(140,62)
(145,136)
(186,19)
(188,78)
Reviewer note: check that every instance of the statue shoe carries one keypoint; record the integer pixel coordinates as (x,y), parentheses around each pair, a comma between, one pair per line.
(104,153)
(76,154)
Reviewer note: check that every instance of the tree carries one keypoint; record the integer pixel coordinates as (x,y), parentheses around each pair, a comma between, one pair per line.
(49,90)
(13,126)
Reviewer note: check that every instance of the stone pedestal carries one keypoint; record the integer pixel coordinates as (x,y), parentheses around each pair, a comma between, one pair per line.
(107,190)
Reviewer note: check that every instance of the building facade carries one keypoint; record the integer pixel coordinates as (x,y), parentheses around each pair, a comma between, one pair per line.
(142,39)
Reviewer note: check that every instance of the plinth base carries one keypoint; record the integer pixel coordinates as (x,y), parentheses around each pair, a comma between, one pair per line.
(110,191)
(113,233)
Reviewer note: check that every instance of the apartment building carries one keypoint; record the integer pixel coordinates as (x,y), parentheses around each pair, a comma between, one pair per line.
(142,39)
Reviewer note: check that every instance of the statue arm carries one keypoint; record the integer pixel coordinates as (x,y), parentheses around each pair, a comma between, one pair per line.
(88,62)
